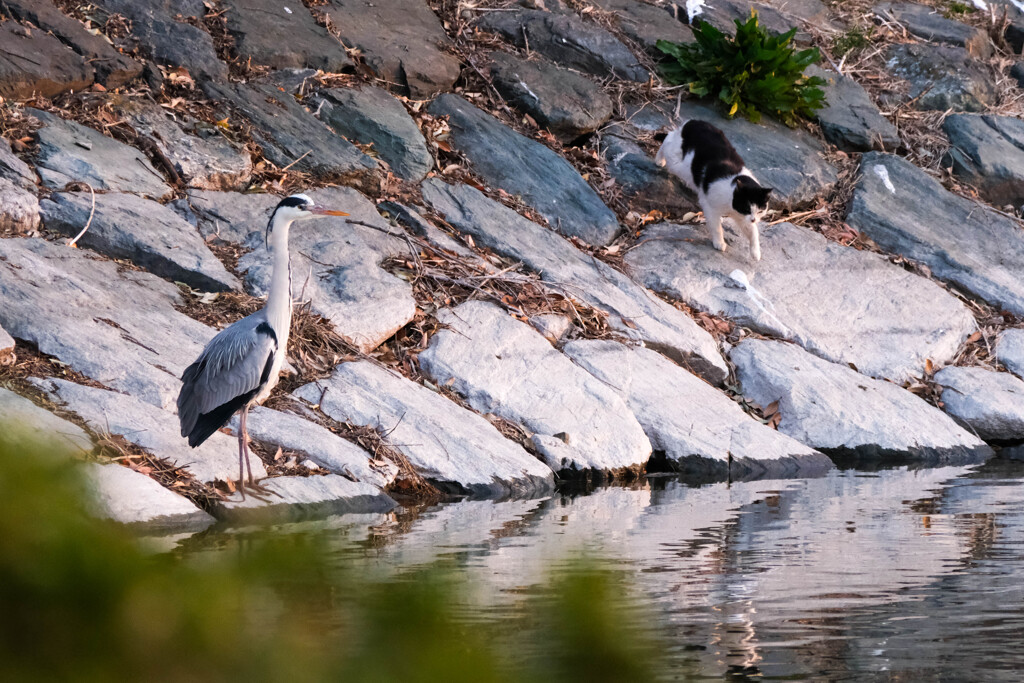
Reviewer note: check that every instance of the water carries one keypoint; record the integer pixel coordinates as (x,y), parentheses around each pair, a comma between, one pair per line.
(893,575)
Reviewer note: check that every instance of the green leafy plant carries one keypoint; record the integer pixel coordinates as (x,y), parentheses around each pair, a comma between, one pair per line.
(958,9)
(854,39)
(756,72)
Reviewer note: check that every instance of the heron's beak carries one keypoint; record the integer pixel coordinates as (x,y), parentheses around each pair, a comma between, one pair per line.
(320,211)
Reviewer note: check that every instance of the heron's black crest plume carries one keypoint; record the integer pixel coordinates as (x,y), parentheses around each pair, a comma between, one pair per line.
(295,201)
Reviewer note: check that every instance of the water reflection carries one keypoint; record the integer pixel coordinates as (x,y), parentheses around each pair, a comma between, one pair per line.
(900,574)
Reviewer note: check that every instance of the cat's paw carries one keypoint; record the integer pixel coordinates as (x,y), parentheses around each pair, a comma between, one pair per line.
(755,253)
(720,245)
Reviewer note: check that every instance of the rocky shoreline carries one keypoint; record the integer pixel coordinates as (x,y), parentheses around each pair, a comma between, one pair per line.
(521,297)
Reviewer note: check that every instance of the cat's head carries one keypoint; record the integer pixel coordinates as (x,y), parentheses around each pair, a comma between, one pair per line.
(749,198)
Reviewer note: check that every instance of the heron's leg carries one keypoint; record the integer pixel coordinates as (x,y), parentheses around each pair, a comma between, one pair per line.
(245,445)
(241,454)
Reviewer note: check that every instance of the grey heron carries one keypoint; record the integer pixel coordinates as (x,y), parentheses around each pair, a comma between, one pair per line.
(240,366)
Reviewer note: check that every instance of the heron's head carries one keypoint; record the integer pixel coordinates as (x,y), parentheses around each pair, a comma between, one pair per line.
(298,207)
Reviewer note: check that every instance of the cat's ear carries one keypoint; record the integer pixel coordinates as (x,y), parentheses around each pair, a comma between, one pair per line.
(765,191)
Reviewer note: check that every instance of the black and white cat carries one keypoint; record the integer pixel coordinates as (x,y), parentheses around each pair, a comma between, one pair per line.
(700,155)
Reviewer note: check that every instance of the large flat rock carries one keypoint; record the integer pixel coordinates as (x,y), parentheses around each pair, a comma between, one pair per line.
(228,216)
(457,450)
(643,183)
(14,169)
(149,427)
(907,212)
(567,40)
(72,153)
(1010,351)
(35,63)
(566,103)
(150,235)
(928,22)
(778,16)
(201,156)
(845,305)
(505,367)
(401,41)
(291,136)
(294,433)
(292,498)
(371,115)
(335,266)
(988,153)
(632,310)
(169,41)
(113,69)
(259,28)
(114,325)
(943,77)
(131,498)
(19,208)
(645,24)
(851,121)
(26,426)
(988,403)
(520,166)
(845,414)
(695,428)
(789,160)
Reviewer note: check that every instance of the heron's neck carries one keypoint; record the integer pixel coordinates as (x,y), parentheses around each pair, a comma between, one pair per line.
(279,300)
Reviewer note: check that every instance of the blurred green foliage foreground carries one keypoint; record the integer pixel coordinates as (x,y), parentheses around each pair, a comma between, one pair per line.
(82,601)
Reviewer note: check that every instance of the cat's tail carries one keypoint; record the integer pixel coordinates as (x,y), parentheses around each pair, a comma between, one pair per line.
(672,145)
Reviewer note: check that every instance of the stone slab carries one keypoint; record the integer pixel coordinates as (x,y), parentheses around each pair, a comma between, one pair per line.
(454,448)
(19,208)
(26,426)
(928,22)
(907,212)
(845,305)
(292,498)
(987,403)
(1010,351)
(988,153)
(505,367)
(36,63)
(943,77)
(130,498)
(851,121)
(644,24)
(282,36)
(14,169)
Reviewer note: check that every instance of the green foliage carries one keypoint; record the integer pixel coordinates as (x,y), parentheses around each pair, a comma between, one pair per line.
(756,72)
(958,9)
(854,39)
(82,601)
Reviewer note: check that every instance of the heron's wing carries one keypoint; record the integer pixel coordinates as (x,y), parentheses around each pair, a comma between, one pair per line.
(235,364)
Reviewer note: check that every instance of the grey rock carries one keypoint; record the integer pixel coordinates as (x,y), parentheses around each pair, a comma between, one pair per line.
(71,153)
(553,326)
(201,156)
(420,226)
(961,241)
(723,14)
(229,216)
(282,36)
(988,153)
(851,121)
(696,429)
(457,450)
(563,101)
(291,136)
(304,497)
(845,305)
(988,403)
(19,208)
(149,427)
(169,41)
(113,69)
(632,310)
(567,40)
(320,445)
(335,266)
(401,41)
(14,169)
(927,22)
(35,63)
(296,81)
(504,366)
(1010,351)
(518,165)
(6,346)
(371,115)
(845,414)
(1017,71)
(643,183)
(645,24)
(131,498)
(114,325)
(144,232)
(27,427)
(789,160)
(943,77)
